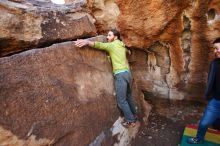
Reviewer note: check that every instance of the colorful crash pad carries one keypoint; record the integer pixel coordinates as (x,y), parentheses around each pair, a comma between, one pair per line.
(212,137)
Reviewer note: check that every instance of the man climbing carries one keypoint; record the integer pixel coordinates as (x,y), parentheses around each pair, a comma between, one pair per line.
(212,112)
(122,76)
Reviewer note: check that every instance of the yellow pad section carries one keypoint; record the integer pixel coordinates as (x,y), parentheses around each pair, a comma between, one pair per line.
(211,134)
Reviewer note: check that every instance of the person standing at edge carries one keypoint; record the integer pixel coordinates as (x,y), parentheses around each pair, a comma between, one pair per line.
(122,76)
(212,94)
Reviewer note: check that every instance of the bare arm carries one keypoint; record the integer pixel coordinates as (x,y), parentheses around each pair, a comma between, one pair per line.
(84,42)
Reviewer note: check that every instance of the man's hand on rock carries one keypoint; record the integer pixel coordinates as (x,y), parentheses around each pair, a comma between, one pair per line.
(129,52)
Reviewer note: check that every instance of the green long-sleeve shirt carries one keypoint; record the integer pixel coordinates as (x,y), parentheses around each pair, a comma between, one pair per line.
(117,52)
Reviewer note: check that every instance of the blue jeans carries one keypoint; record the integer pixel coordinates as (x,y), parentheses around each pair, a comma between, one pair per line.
(124,95)
(211,113)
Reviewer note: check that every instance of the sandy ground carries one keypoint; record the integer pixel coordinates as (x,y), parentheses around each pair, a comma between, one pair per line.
(167,121)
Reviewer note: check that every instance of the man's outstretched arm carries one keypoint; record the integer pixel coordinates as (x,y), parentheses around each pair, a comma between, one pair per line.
(97,45)
(81,43)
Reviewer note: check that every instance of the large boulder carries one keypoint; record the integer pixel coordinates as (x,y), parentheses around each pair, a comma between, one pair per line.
(28,24)
(62,95)
(142,22)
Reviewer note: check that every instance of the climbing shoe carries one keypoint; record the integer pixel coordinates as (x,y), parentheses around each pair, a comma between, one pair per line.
(128,124)
(194,140)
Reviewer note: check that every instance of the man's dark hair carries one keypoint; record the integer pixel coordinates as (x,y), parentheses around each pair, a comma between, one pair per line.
(116,33)
(216,40)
